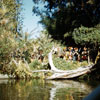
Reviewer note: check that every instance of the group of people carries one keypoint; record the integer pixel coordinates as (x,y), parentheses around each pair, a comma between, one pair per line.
(75,54)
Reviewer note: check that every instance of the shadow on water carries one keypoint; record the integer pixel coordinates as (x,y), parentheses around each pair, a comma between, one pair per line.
(44,90)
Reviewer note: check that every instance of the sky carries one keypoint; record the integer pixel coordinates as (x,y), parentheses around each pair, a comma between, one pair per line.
(30,21)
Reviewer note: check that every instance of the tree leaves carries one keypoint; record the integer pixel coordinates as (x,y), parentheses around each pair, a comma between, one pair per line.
(61,17)
(84,35)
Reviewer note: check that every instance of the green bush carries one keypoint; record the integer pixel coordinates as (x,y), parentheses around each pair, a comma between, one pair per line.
(35,64)
(67,64)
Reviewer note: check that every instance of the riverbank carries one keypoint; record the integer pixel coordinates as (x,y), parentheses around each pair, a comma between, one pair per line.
(32,55)
(2,76)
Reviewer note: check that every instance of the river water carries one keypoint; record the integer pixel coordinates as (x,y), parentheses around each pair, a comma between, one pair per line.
(45,90)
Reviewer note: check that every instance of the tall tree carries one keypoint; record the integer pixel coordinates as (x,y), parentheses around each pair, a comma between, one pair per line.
(9,11)
(61,17)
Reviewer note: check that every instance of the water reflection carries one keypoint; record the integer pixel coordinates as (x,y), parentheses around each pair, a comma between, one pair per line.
(43,90)
(69,90)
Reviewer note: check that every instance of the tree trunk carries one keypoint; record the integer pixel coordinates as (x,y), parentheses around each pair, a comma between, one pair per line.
(62,74)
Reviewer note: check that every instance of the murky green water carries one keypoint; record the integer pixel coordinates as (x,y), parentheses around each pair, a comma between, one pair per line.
(44,90)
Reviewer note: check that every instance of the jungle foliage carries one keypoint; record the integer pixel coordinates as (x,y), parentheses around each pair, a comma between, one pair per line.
(9,33)
(87,36)
(9,10)
(19,56)
(62,18)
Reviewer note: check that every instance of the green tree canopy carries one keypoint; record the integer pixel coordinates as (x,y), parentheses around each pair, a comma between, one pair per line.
(61,17)
(87,36)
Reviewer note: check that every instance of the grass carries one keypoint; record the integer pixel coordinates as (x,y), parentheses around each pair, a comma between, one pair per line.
(67,65)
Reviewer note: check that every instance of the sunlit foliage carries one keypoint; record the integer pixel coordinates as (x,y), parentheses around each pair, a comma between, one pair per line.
(9,13)
(87,36)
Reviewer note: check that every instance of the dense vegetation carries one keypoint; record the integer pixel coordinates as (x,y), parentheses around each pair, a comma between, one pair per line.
(10,25)
(19,56)
(8,30)
(64,19)
(73,22)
